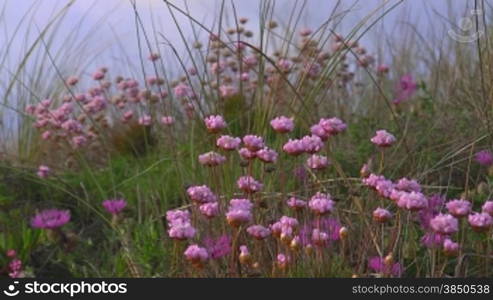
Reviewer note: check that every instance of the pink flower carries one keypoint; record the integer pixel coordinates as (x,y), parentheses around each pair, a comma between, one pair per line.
(383,139)
(72,80)
(294,147)
(114,206)
(210,210)
(444,224)
(196,254)
(43,171)
(450,247)
(167,120)
(413,201)
(384,188)
(215,124)
(282,261)
(179,224)
(253,142)
(183,91)
(50,219)
(79,141)
(145,120)
(11,253)
(333,126)
(211,159)
(377,264)
(247,154)
(98,75)
(312,144)
(296,204)
(227,91)
(317,162)
(248,184)
(480,222)
(406,89)
(282,124)
(381,215)
(321,204)
(319,131)
(488,208)
(228,143)
(258,231)
(484,158)
(239,212)
(267,155)
(408,185)
(382,69)
(319,238)
(459,208)
(201,194)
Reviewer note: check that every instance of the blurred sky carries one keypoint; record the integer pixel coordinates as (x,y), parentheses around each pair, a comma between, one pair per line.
(115,34)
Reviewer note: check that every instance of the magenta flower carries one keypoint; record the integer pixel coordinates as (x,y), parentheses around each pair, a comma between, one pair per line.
(114,206)
(450,247)
(228,143)
(319,131)
(218,248)
(43,171)
(488,208)
(210,210)
(282,260)
(312,144)
(182,91)
(179,225)
(381,215)
(50,219)
(196,254)
(267,155)
(480,222)
(294,147)
(145,120)
(432,240)
(484,158)
(383,139)
(406,89)
(247,154)
(167,120)
(285,227)
(296,204)
(319,238)
(408,185)
(211,159)
(253,142)
(444,224)
(227,91)
(317,162)
(282,124)
(259,232)
(377,264)
(412,201)
(459,208)
(201,194)
(333,126)
(248,184)
(321,204)
(239,212)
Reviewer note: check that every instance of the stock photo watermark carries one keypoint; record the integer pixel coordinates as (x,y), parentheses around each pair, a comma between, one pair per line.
(466,31)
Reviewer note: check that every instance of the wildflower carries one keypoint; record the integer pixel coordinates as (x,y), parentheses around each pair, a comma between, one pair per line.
(294,147)
(319,238)
(317,162)
(282,124)
(480,222)
(247,154)
(196,255)
(182,91)
(15,268)
(381,215)
(210,210)
(258,231)
(79,141)
(381,265)
(382,69)
(227,91)
(432,240)
(228,143)
(406,89)
(408,185)
(267,155)
(253,142)
(114,206)
(43,171)
(201,194)
(282,261)
(239,212)
(321,204)
(244,256)
(248,184)
(72,80)
(488,208)
(333,126)
(50,219)
(215,124)
(459,208)
(167,120)
(384,187)
(484,158)
(444,224)
(285,226)
(450,247)
(312,144)
(98,75)
(145,120)
(412,201)
(319,131)
(296,204)
(211,159)
(11,253)
(218,248)
(383,139)
(179,225)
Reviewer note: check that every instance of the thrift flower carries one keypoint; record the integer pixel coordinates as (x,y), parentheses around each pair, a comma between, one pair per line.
(211,159)
(248,184)
(114,206)
(480,222)
(228,143)
(383,139)
(50,219)
(253,142)
(282,124)
(321,204)
(317,162)
(444,224)
(484,158)
(258,231)
(459,208)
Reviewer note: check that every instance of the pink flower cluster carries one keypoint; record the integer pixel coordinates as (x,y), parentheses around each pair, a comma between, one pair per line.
(179,225)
